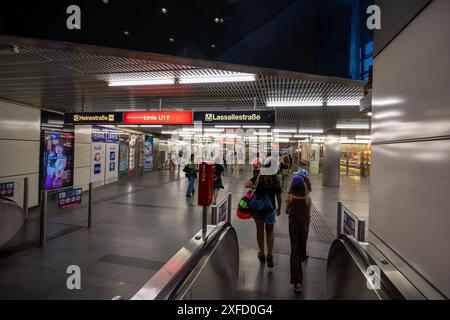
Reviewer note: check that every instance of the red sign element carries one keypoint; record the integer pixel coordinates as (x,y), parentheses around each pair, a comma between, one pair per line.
(158,117)
(205,183)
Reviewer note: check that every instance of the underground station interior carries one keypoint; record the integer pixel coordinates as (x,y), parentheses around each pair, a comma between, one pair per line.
(256,166)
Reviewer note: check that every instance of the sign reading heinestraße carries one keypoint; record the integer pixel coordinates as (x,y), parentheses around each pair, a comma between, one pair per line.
(93,118)
(236,117)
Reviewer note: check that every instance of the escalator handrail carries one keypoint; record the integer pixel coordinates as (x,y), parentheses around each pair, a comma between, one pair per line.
(167,287)
(387,287)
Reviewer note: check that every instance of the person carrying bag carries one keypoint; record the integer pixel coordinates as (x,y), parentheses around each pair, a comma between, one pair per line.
(265,205)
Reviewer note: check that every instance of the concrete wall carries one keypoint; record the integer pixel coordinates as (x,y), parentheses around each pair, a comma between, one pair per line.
(410,181)
(19,148)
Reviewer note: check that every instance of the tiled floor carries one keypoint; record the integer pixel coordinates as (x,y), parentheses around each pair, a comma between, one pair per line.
(139,223)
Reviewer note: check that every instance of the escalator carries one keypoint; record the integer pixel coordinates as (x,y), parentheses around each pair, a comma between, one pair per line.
(206,268)
(12,218)
(357,271)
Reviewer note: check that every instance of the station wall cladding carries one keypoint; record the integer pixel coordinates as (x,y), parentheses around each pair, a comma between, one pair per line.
(409,202)
(20,129)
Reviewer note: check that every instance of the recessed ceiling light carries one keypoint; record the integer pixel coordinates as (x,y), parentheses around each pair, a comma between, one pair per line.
(164,10)
(171,39)
(126,33)
(213,45)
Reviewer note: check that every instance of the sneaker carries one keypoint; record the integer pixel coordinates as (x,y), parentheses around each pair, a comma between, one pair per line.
(262,258)
(298,288)
(270,261)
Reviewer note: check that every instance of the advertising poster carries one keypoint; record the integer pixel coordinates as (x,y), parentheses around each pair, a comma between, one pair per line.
(112,160)
(105,149)
(58,160)
(148,153)
(123,159)
(98,163)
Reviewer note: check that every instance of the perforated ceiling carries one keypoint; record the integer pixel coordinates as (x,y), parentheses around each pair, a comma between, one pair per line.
(69,77)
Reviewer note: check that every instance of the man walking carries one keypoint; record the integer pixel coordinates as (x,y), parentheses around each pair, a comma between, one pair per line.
(191,170)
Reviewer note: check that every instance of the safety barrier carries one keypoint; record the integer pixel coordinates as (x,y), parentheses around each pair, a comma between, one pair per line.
(61,202)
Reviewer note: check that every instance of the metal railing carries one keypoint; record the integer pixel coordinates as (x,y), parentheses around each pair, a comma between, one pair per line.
(350,224)
(44,210)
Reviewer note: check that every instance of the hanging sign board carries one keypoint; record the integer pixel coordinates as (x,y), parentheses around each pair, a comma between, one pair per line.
(236,117)
(158,117)
(93,118)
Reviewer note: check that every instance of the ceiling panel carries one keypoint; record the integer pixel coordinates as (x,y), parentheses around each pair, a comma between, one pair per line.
(75,80)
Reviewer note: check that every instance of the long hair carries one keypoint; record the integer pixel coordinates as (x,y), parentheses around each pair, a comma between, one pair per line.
(298,190)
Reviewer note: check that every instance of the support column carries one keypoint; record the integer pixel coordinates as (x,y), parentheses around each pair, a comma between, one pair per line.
(331,166)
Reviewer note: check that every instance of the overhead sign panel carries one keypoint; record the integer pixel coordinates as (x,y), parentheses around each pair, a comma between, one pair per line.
(93,118)
(158,117)
(236,117)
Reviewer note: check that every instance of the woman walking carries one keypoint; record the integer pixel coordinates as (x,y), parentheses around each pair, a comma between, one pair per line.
(298,206)
(266,186)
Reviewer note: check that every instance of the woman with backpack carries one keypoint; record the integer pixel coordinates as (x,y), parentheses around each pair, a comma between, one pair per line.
(268,194)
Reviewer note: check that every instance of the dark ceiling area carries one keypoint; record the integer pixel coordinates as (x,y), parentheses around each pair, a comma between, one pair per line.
(296,35)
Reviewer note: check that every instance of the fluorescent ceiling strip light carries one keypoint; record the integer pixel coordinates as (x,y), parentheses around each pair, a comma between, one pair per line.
(282,140)
(262,133)
(283,136)
(191,129)
(355,126)
(363,137)
(228,127)
(146,82)
(218,79)
(273,104)
(150,126)
(301,136)
(213,130)
(310,131)
(128,126)
(285,130)
(343,103)
(369,114)
(256,127)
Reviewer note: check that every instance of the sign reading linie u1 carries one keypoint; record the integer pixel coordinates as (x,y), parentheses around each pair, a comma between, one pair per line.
(93,118)
(236,117)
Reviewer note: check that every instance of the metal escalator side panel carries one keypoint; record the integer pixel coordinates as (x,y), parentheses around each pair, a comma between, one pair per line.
(217,273)
(11,220)
(347,274)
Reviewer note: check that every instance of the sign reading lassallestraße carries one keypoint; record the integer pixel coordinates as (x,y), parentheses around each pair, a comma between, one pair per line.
(93,118)
(236,117)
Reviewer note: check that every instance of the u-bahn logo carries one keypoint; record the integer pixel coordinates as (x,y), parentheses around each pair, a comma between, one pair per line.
(209,117)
